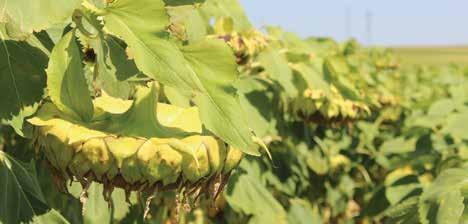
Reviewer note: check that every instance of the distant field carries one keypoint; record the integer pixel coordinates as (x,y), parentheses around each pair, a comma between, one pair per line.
(433,55)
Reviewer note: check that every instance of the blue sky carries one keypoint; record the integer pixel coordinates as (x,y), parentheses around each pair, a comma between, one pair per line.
(396,22)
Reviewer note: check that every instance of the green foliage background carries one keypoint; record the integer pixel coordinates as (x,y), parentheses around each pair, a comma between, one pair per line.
(355,135)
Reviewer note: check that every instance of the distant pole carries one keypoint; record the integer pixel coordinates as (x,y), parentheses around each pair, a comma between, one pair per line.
(348,23)
(369,18)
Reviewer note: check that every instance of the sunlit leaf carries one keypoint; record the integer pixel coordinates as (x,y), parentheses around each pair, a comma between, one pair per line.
(190,70)
(37,15)
(66,82)
(398,145)
(220,109)
(227,8)
(154,53)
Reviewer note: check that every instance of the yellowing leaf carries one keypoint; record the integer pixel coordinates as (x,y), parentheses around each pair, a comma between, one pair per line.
(111,104)
(178,117)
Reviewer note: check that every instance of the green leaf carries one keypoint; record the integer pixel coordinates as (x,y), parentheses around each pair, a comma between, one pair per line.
(448,181)
(316,161)
(442,201)
(301,212)
(398,146)
(112,66)
(21,197)
(36,15)
(226,8)
(219,105)
(175,97)
(51,217)
(248,195)
(314,78)
(278,70)
(451,208)
(190,20)
(154,54)
(402,209)
(66,83)
(258,106)
(97,209)
(144,118)
(182,2)
(441,108)
(63,203)
(190,71)
(22,81)
(456,125)
(401,188)
(337,71)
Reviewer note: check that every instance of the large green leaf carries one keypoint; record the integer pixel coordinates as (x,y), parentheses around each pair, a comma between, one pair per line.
(154,54)
(213,63)
(66,82)
(22,81)
(21,197)
(205,69)
(36,15)
(442,201)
